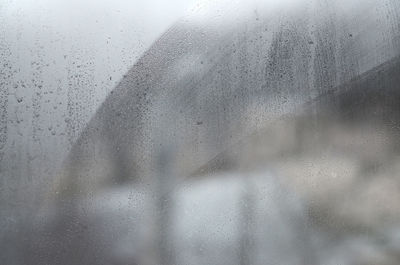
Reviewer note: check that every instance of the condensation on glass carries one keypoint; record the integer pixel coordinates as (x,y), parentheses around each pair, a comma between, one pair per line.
(200,132)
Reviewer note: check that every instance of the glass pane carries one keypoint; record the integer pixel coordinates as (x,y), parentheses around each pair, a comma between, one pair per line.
(200,132)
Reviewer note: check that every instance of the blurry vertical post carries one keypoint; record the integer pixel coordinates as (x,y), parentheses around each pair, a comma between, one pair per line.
(165,181)
(246,226)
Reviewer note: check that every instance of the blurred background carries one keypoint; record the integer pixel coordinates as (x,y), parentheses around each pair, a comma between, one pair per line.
(200,132)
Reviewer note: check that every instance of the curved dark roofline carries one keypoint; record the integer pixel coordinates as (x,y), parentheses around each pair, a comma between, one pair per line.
(199,90)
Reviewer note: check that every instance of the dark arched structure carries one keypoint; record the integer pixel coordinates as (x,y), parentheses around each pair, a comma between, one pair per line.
(201,89)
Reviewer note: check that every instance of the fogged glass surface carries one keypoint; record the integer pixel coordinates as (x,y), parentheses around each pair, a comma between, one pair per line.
(200,132)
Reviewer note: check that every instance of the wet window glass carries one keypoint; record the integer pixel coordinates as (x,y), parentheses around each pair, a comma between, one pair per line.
(191,132)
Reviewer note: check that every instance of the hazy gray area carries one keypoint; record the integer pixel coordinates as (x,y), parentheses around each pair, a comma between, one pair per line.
(59,60)
(246,132)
